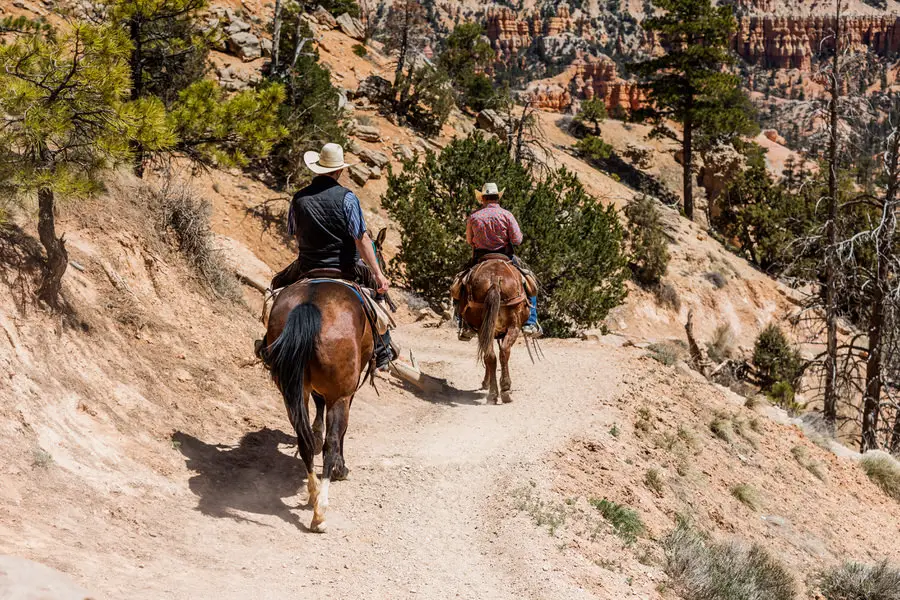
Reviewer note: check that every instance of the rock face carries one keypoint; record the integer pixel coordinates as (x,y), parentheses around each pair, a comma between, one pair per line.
(549,96)
(324,18)
(360,173)
(367,133)
(377,89)
(720,165)
(789,42)
(350,26)
(490,121)
(374,158)
(511,33)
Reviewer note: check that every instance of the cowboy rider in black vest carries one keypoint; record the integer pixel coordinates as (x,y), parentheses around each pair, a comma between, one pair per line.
(327,222)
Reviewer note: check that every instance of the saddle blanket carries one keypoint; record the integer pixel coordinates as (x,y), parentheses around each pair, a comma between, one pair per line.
(383,320)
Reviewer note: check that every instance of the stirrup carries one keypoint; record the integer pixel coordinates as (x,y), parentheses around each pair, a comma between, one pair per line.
(533,331)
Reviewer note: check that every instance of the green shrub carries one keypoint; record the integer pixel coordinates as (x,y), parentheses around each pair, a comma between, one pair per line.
(649,247)
(572,242)
(594,148)
(360,50)
(854,581)
(776,360)
(702,569)
(884,470)
(592,111)
(625,521)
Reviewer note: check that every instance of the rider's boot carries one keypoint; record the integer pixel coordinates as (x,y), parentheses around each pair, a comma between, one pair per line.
(385,352)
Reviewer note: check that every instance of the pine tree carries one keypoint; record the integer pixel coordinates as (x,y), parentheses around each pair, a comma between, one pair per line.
(64,97)
(465,55)
(688,83)
(168,48)
(573,242)
(592,111)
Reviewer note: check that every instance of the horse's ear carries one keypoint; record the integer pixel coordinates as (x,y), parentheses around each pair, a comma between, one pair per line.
(379,239)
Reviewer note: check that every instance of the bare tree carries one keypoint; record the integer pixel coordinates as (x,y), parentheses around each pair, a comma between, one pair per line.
(406,31)
(831,232)
(276,34)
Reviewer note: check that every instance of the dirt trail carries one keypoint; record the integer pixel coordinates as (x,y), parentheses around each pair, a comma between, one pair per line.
(422,514)
(413,519)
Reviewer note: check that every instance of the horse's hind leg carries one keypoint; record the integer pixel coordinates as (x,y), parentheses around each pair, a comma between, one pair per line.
(490,365)
(506,345)
(341,471)
(335,419)
(319,424)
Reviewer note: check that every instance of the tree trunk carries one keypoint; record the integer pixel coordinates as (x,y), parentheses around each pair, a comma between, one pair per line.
(276,35)
(137,86)
(884,256)
(831,235)
(688,159)
(895,435)
(403,46)
(57,257)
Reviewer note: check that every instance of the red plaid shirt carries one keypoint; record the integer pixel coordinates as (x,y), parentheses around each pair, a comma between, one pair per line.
(494,228)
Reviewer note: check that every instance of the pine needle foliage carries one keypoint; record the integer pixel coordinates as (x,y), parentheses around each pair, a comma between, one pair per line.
(572,242)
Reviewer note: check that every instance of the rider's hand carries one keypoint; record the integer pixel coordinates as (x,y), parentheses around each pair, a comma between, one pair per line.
(383,283)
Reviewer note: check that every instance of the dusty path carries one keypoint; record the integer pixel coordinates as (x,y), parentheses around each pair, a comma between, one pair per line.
(421,516)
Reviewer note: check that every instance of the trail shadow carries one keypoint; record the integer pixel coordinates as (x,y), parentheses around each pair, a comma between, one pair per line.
(251,477)
(451,396)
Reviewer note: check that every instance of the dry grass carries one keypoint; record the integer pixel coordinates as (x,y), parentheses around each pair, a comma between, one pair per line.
(884,470)
(654,481)
(722,428)
(544,514)
(854,581)
(665,353)
(747,495)
(667,296)
(184,217)
(721,347)
(702,569)
(801,455)
(717,279)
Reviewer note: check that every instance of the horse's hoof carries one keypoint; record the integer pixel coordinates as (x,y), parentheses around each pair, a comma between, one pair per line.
(493,399)
(506,397)
(340,474)
(318,527)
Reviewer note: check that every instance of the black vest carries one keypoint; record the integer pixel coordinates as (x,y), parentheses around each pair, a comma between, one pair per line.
(322,228)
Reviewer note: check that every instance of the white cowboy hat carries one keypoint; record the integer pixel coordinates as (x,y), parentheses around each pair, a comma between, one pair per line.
(489,189)
(329,160)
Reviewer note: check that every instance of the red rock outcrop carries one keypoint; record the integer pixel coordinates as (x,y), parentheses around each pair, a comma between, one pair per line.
(510,32)
(597,77)
(788,42)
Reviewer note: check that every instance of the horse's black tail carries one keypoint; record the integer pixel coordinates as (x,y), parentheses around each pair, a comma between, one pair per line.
(287,359)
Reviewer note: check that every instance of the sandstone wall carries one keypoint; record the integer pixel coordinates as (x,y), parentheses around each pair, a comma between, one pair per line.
(785,42)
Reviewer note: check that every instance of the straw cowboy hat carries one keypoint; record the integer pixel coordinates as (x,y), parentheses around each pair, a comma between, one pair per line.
(489,189)
(331,159)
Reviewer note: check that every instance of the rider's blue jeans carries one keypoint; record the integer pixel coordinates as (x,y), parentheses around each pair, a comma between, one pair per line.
(532,318)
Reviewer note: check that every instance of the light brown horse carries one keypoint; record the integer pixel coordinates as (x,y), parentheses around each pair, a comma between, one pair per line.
(496,306)
(319,341)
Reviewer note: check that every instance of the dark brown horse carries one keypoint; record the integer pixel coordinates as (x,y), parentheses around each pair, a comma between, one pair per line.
(318,343)
(496,306)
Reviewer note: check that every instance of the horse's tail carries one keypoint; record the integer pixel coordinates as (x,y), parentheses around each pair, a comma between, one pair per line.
(489,320)
(287,359)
